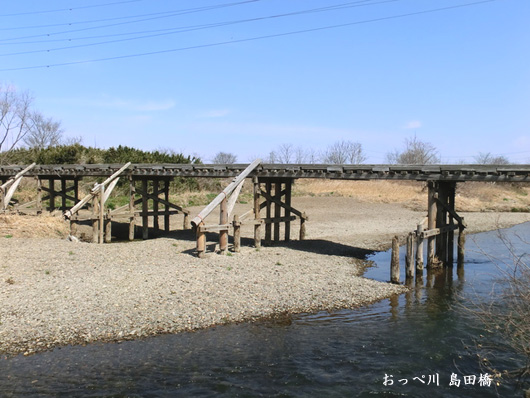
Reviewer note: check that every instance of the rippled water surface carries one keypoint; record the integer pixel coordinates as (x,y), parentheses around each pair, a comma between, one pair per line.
(420,337)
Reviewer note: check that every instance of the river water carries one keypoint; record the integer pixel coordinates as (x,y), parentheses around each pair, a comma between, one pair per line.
(407,346)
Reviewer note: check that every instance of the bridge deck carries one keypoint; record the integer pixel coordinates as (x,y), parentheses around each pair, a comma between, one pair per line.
(505,173)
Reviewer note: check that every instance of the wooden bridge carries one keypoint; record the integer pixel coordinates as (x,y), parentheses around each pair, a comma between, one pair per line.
(272,186)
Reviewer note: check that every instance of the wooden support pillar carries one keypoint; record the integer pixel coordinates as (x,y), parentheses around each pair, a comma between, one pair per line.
(237,234)
(63,194)
(76,190)
(95,219)
(419,250)
(201,241)
(51,184)
(394,264)
(166,206)
(288,193)
(132,218)
(257,218)
(156,225)
(441,223)
(277,210)
(431,259)
(302,226)
(108,227)
(223,220)
(451,234)
(145,210)
(38,204)
(461,245)
(268,214)
(101,215)
(409,259)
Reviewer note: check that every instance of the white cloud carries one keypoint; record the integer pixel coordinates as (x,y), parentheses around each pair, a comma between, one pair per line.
(413,124)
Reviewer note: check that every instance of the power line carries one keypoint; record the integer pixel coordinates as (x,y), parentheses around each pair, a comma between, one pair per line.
(68,9)
(173,31)
(136,55)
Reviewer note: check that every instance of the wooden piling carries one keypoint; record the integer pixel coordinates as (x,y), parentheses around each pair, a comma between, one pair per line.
(132,217)
(268,214)
(51,184)
(166,206)
(145,211)
(394,264)
(277,210)
(108,227)
(461,246)
(39,196)
(431,224)
(302,226)
(409,260)
(257,218)
(101,214)
(95,219)
(288,194)
(156,224)
(223,220)
(419,250)
(201,240)
(237,234)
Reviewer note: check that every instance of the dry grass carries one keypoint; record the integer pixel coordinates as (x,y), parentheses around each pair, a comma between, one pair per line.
(471,196)
(12,225)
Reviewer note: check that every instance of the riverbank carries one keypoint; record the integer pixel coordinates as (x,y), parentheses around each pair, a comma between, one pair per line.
(55,292)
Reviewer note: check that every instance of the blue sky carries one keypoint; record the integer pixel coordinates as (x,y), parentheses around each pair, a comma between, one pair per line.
(373,71)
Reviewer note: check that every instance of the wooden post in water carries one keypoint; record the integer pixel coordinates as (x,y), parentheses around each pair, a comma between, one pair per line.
(409,259)
(419,250)
(257,218)
(237,234)
(223,220)
(441,222)
(461,245)
(431,224)
(394,264)
(451,234)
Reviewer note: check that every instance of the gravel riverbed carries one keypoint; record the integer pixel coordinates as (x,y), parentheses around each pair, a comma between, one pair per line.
(55,292)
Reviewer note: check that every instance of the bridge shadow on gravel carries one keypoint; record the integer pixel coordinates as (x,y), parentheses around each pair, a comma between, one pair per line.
(120,232)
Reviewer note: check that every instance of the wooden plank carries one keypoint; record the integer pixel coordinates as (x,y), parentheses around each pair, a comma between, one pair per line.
(288,193)
(145,209)
(277,209)
(223,219)
(257,217)
(431,224)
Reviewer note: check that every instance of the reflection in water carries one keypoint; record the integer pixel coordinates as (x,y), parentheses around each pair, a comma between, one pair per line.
(345,353)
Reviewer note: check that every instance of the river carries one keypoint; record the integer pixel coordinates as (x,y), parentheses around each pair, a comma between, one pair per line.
(409,346)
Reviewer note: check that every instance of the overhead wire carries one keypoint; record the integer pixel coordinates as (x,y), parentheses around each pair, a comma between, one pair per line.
(68,9)
(263,37)
(205,26)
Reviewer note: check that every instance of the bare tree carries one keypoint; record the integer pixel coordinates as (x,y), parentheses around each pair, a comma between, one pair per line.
(15,118)
(45,132)
(224,158)
(415,152)
(344,152)
(488,158)
(285,153)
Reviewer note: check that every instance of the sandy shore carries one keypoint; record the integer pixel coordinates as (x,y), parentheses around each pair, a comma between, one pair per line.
(55,292)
